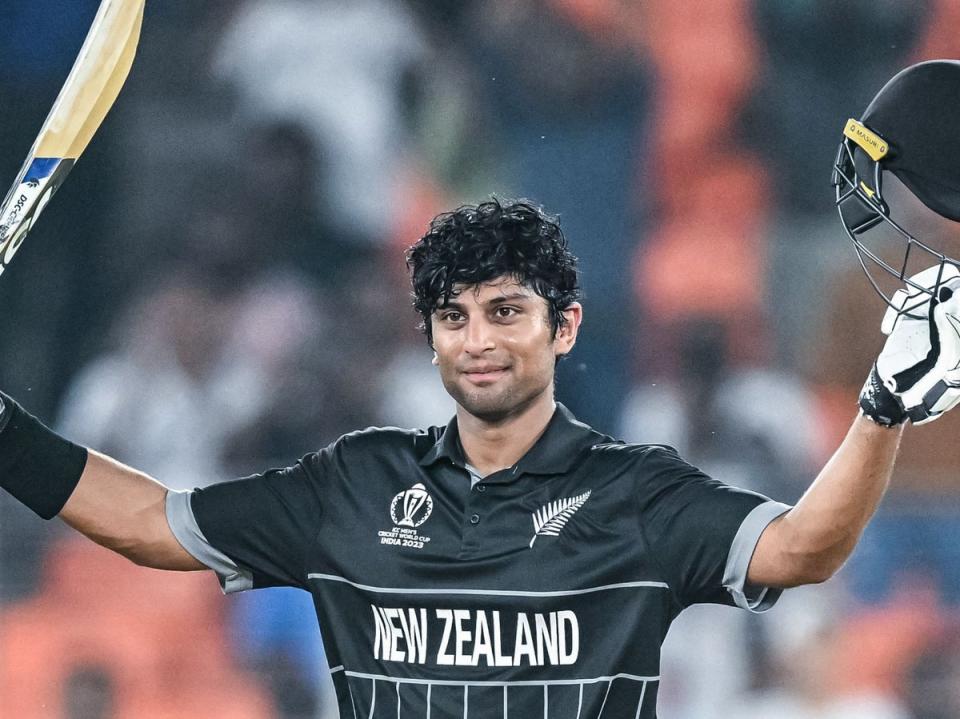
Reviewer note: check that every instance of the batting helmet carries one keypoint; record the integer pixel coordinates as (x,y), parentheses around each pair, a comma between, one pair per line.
(911,129)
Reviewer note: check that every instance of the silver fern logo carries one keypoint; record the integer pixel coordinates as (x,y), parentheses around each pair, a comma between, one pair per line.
(551,518)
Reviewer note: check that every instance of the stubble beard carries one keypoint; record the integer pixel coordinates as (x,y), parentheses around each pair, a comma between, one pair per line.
(494,405)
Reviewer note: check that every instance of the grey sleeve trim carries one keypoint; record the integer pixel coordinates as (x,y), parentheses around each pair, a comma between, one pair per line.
(186,530)
(754,599)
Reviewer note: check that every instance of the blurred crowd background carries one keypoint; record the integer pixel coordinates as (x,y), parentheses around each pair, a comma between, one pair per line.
(219,288)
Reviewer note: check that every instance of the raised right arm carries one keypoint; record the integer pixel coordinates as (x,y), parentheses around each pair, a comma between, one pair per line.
(112,504)
(123,510)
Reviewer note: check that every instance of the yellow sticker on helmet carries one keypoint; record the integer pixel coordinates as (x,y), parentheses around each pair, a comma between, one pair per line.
(867,139)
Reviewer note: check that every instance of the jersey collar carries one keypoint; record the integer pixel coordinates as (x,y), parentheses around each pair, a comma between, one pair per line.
(555,452)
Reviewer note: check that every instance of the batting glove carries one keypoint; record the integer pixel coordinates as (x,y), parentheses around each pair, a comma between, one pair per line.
(917,375)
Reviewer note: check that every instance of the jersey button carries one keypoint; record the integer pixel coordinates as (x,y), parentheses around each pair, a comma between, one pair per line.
(475,519)
(481,488)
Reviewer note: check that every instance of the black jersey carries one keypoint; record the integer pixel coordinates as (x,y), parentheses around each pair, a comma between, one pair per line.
(542,590)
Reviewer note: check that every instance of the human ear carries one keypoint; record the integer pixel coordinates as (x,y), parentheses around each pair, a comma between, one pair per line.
(436,360)
(566,335)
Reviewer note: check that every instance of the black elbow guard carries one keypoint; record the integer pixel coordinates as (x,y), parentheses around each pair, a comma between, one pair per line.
(37,466)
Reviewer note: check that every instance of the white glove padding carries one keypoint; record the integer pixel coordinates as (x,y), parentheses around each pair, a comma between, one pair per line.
(920,362)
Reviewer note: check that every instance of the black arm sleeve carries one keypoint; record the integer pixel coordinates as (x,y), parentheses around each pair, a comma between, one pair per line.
(37,466)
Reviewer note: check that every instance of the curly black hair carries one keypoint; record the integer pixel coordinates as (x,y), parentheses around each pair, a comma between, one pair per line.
(478,243)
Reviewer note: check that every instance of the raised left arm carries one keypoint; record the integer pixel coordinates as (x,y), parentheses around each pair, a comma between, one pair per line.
(811,542)
(916,377)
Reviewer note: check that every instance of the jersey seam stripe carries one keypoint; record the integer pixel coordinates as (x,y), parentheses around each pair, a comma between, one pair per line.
(490,592)
(494,683)
(641,515)
(314,482)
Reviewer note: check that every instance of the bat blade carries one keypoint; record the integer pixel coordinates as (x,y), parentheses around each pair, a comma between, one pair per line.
(87,95)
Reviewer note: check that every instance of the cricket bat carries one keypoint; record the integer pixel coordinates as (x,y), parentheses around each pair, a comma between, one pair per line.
(88,94)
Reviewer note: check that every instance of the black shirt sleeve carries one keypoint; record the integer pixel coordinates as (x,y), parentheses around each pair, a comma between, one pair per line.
(695,524)
(255,532)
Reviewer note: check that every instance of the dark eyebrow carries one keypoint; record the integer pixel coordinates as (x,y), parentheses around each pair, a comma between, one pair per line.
(509,298)
(495,301)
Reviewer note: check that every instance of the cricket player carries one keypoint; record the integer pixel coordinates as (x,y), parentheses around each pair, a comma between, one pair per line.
(516,562)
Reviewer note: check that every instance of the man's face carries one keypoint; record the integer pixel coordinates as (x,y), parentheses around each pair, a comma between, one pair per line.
(495,347)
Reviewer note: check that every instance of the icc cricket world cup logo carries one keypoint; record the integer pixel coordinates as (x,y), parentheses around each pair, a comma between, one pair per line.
(411,508)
